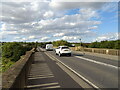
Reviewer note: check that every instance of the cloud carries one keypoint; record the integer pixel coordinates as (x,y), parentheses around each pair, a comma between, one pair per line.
(93,27)
(61,1)
(109,36)
(58,34)
(35,20)
(17,38)
(110,7)
(3,27)
(71,5)
(17,13)
(48,14)
(44,38)
(69,38)
(31,37)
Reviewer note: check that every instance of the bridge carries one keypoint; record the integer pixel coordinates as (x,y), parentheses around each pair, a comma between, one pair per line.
(40,69)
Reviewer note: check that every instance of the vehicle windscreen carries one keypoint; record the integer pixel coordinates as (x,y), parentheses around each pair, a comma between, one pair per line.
(65,48)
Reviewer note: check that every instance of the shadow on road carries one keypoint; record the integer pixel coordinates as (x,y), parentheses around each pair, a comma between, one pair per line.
(78,54)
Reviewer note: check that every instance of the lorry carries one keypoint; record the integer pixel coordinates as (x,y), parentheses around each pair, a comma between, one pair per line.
(49,47)
(63,50)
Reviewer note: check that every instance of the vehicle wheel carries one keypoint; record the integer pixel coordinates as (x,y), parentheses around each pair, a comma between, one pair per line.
(59,55)
(70,54)
(56,53)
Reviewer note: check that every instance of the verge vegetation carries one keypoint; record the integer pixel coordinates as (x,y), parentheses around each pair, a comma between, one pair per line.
(106,44)
(12,51)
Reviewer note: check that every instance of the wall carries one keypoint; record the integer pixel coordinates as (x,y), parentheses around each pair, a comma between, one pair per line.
(97,50)
(16,76)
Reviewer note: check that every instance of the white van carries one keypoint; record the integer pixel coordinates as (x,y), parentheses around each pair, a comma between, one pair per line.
(49,47)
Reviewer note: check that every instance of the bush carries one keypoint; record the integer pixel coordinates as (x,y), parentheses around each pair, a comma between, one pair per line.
(106,44)
(12,51)
(61,42)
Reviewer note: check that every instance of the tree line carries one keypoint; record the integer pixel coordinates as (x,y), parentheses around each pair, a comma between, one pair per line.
(115,44)
(11,51)
(105,44)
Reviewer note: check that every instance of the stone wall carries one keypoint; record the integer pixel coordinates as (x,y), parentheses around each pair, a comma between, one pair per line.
(97,50)
(16,76)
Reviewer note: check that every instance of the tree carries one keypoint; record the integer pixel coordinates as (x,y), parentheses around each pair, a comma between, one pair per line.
(60,43)
(106,44)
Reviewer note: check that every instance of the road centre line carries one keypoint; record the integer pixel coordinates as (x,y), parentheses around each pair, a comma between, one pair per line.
(49,55)
(97,62)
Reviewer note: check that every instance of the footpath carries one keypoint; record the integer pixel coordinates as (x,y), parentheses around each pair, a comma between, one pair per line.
(45,74)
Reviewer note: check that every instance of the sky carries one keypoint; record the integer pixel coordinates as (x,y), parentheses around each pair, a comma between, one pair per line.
(52,20)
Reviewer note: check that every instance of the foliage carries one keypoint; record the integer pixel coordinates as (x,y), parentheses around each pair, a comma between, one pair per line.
(106,44)
(60,43)
(11,52)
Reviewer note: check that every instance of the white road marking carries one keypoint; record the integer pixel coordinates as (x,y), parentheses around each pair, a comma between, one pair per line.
(97,62)
(49,55)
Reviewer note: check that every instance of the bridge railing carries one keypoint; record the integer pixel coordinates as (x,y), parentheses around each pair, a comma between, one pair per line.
(97,50)
(16,76)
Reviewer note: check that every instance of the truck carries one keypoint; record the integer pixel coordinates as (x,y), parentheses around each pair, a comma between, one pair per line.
(49,47)
(63,50)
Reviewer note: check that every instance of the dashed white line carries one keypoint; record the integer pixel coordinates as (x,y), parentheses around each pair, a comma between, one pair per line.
(97,62)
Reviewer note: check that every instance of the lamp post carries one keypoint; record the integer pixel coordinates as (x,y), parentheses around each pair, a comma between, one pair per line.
(80,42)
(81,46)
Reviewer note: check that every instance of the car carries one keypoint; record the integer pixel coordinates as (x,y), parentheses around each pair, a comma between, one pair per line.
(63,50)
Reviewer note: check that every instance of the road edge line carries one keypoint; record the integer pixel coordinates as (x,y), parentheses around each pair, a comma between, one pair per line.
(86,80)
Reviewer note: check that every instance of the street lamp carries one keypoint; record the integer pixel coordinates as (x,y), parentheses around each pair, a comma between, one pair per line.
(82,49)
(80,42)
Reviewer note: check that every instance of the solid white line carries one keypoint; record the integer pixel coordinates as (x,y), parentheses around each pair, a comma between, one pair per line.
(50,56)
(97,62)
(76,73)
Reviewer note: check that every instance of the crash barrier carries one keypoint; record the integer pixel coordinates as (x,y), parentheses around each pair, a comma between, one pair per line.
(16,76)
(97,50)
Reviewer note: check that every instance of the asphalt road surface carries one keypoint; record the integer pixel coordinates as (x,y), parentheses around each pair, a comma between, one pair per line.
(46,74)
(102,72)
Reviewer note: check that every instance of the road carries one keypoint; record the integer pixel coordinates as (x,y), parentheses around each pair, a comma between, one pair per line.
(46,74)
(100,72)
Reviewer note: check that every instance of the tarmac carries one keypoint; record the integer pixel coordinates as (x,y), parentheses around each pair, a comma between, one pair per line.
(46,74)
(111,57)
